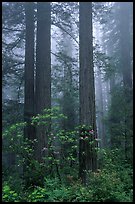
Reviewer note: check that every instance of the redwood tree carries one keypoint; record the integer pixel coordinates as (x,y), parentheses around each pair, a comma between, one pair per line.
(126,68)
(29,130)
(87,154)
(43,72)
(29,71)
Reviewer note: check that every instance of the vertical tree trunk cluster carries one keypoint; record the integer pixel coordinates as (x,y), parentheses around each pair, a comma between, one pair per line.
(38,90)
(39,97)
(87,154)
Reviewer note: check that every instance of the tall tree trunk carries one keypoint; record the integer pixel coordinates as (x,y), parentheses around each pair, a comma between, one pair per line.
(125,39)
(29,71)
(87,154)
(125,43)
(29,130)
(43,72)
(100,107)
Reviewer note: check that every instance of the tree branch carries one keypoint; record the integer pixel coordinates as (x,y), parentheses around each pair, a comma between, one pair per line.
(10,29)
(59,26)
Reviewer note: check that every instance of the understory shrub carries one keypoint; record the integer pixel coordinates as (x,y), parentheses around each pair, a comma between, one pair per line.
(9,195)
(109,187)
(102,187)
(58,181)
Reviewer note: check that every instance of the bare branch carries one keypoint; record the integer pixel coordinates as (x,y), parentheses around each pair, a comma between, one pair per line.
(13,30)
(59,26)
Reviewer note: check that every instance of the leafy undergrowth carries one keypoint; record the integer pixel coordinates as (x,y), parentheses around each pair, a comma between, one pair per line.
(106,185)
(113,182)
(57,181)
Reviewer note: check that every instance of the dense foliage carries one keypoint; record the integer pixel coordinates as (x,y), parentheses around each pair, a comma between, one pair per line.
(58,181)
(113,184)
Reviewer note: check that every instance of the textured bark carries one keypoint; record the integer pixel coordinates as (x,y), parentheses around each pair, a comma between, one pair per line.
(29,71)
(43,72)
(87,154)
(29,130)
